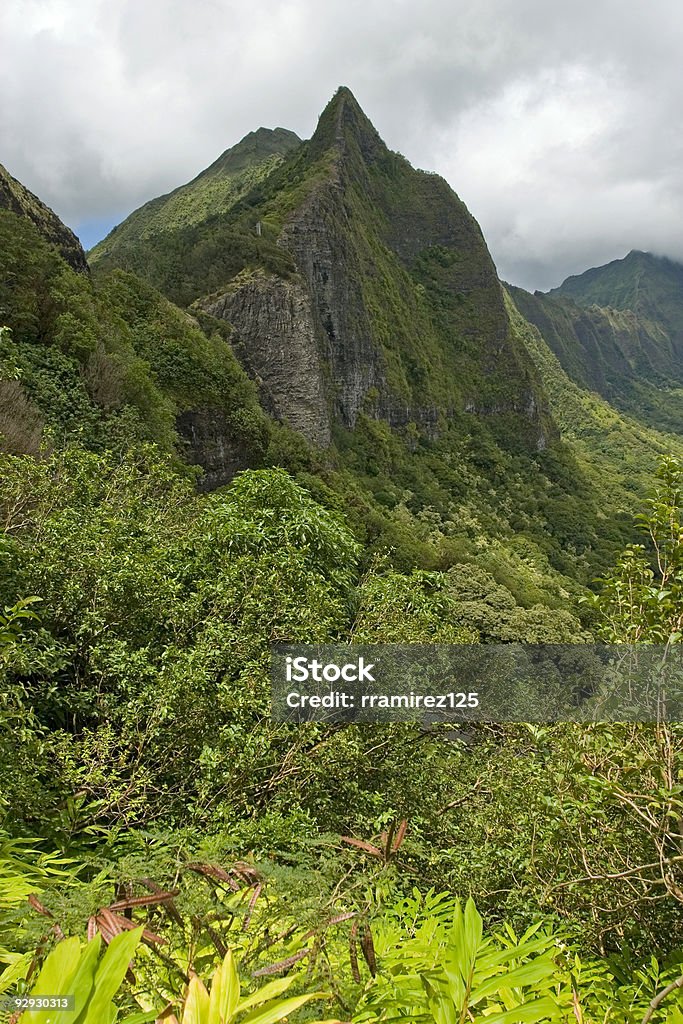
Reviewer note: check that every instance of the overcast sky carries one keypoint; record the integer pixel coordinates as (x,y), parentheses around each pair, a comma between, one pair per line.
(560,126)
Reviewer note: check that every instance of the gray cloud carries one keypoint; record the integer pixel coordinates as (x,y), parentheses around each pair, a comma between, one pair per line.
(559,126)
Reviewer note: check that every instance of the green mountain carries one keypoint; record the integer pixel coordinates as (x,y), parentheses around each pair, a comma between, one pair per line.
(614,451)
(113,363)
(16,198)
(325,307)
(353,284)
(215,190)
(618,330)
(394,454)
(647,285)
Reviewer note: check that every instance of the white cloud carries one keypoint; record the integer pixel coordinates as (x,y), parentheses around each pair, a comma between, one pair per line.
(558,126)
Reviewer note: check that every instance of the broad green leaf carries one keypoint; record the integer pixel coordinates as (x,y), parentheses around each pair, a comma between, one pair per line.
(269,991)
(528,974)
(110,973)
(57,978)
(495,958)
(225,992)
(528,1013)
(440,1003)
(197,1003)
(274,1012)
(82,985)
(15,972)
(474,927)
(58,970)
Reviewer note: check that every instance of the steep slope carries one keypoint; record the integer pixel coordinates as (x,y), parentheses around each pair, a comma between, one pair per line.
(215,190)
(16,198)
(360,297)
(354,284)
(106,365)
(650,286)
(614,451)
(113,364)
(629,354)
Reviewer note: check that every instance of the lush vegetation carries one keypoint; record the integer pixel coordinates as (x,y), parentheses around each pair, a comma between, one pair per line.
(135,741)
(167,850)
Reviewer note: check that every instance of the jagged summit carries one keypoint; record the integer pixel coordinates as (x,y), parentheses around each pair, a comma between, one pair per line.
(254,148)
(343,121)
(353,285)
(215,190)
(16,197)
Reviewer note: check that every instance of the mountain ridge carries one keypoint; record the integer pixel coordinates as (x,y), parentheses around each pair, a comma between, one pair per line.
(16,198)
(366,288)
(214,189)
(617,329)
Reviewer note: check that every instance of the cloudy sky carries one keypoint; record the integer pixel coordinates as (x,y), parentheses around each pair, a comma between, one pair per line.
(561,126)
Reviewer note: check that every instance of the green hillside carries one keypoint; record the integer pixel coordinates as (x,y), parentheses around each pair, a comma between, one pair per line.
(16,198)
(215,190)
(613,450)
(360,295)
(628,354)
(114,364)
(399,311)
(651,286)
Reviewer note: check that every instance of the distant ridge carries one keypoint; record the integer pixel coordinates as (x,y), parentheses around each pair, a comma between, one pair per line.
(213,191)
(618,330)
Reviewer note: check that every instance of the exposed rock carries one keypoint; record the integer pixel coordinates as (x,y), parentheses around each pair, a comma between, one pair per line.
(16,198)
(206,433)
(354,284)
(325,257)
(275,337)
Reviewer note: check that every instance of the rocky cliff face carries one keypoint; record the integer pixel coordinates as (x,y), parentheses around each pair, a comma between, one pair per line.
(17,199)
(618,330)
(383,299)
(275,338)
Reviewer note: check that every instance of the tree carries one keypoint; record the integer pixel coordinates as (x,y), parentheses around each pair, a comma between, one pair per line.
(641,600)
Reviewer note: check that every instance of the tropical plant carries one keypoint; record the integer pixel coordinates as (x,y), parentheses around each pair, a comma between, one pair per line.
(223,1003)
(82,983)
(24,871)
(641,599)
(12,621)
(437,965)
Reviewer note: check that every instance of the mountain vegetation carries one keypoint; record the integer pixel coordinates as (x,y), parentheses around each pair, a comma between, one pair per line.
(618,330)
(291,402)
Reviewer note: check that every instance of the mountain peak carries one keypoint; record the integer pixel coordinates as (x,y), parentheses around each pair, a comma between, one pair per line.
(255,147)
(16,198)
(343,121)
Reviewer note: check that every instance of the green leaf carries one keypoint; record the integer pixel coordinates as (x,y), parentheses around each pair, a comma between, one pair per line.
(269,991)
(528,1013)
(110,973)
(57,978)
(225,991)
(274,1012)
(82,985)
(527,974)
(196,1009)
(15,972)
(474,927)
